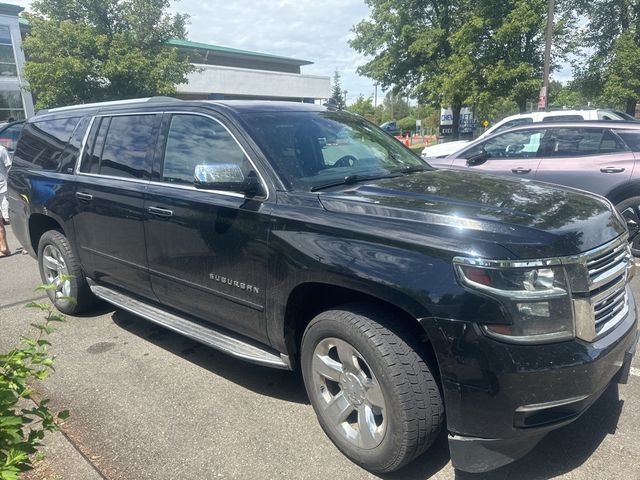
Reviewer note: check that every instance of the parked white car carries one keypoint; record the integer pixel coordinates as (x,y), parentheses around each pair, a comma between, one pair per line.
(444,149)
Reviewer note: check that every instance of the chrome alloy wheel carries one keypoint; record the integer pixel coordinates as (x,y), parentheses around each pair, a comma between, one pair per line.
(54,267)
(349,393)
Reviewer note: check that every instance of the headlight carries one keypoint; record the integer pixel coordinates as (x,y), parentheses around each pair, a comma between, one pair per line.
(536,298)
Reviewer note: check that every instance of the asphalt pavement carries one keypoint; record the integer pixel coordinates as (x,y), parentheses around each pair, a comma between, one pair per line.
(146,403)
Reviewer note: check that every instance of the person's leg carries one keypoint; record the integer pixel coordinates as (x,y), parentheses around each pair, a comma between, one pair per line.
(4,248)
(4,218)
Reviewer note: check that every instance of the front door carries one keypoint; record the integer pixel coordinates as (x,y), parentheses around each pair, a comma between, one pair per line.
(110,188)
(510,153)
(207,250)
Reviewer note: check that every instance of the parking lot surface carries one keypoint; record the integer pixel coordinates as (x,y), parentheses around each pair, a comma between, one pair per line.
(146,403)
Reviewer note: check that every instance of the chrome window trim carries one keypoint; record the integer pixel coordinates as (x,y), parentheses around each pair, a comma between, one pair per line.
(189,187)
(85,139)
(166,184)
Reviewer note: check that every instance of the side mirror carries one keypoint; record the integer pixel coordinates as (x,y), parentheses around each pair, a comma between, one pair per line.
(477,159)
(226,177)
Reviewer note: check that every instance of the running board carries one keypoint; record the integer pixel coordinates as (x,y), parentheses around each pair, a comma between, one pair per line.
(225,342)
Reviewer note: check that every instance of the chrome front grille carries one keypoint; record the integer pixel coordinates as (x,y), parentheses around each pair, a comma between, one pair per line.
(608,296)
(608,266)
(611,310)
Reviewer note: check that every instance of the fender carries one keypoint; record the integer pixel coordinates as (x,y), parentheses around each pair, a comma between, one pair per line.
(415,281)
(622,192)
(51,195)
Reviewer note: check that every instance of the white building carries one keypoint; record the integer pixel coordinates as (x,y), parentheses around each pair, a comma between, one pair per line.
(229,73)
(222,72)
(15,101)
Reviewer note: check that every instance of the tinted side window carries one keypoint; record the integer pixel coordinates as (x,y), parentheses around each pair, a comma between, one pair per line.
(521,144)
(128,146)
(581,142)
(71,151)
(513,123)
(563,118)
(121,146)
(43,142)
(631,138)
(194,140)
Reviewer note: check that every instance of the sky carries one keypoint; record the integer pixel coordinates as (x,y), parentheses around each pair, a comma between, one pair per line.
(312,30)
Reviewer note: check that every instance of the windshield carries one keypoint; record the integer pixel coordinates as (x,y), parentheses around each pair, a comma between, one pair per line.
(316,148)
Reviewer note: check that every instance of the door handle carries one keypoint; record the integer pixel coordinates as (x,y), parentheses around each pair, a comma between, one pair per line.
(520,170)
(612,169)
(86,197)
(160,212)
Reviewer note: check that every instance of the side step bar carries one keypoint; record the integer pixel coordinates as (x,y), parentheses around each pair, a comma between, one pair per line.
(229,343)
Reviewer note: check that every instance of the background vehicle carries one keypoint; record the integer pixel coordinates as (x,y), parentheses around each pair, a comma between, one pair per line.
(600,157)
(294,236)
(391,127)
(9,134)
(448,148)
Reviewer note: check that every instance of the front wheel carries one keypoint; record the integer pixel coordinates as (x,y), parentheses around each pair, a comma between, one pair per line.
(630,211)
(57,261)
(374,395)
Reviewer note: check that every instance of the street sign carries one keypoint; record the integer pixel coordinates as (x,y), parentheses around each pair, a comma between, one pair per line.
(485,124)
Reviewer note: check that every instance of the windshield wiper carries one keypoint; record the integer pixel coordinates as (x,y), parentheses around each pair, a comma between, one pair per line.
(351,179)
(413,169)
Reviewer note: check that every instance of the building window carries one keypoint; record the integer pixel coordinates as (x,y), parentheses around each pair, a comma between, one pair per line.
(11,105)
(7,58)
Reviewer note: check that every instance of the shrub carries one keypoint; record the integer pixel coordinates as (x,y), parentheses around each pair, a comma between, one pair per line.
(22,426)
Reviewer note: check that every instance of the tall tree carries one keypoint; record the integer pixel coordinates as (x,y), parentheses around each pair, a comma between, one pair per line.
(410,46)
(363,106)
(458,52)
(337,94)
(612,47)
(93,50)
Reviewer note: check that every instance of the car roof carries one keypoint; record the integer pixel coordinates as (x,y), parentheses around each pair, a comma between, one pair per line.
(152,103)
(619,124)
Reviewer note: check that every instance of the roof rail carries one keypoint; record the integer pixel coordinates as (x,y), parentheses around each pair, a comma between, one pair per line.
(108,104)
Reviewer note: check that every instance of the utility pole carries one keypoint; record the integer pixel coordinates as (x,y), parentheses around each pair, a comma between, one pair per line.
(375,95)
(543,100)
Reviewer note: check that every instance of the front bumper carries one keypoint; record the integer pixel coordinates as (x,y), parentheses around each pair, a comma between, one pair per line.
(501,399)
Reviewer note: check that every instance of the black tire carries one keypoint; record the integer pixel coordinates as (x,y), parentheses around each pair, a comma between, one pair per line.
(630,211)
(77,288)
(413,409)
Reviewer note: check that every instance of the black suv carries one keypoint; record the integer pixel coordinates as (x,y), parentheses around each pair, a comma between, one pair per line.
(295,236)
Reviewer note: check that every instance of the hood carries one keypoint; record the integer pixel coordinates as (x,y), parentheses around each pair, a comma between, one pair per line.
(444,149)
(530,219)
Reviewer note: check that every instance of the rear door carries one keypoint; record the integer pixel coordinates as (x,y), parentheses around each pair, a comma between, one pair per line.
(111,183)
(592,159)
(512,153)
(207,249)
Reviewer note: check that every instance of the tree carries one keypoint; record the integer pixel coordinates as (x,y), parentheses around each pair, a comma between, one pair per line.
(410,43)
(458,52)
(394,106)
(364,107)
(611,41)
(95,50)
(337,94)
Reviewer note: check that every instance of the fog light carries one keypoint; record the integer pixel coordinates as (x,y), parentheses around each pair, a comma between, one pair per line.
(537,309)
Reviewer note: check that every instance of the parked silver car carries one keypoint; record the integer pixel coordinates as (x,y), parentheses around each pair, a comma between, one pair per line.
(602,157)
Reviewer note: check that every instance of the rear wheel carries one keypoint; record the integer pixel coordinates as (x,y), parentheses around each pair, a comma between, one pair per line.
(57,261)
(374,395)
(630,211)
